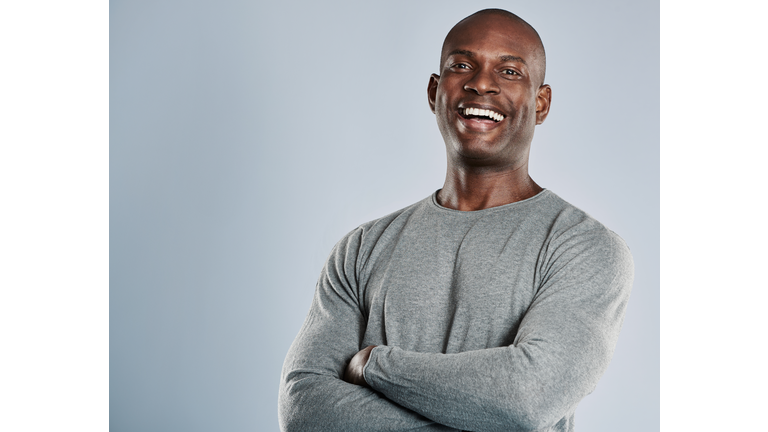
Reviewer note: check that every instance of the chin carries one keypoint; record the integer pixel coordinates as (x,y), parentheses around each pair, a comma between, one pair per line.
(485,154)
(478,157)
(477,149)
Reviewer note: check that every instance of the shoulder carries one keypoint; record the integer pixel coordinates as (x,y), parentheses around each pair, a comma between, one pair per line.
(569,221)
(361,240)
(374,231)
(577,239)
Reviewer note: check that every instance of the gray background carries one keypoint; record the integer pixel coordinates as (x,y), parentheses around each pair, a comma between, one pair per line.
(246,138)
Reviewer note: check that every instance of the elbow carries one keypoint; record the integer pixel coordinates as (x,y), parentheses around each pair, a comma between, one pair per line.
(289,425)
(296,410)
(535,415)
(286,425)
(288,416)
(284,418)
(532,422)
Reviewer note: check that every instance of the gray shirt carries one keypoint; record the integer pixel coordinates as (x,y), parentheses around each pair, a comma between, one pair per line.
(501,319)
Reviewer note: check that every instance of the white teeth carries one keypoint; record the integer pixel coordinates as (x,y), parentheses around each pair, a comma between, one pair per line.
(484,112)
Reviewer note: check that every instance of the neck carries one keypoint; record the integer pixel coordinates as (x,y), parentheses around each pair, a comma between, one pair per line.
(470,189)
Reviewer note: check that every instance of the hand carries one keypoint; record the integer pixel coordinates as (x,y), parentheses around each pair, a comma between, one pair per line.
(354,372)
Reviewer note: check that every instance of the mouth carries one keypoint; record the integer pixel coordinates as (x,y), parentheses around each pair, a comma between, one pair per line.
(481,114)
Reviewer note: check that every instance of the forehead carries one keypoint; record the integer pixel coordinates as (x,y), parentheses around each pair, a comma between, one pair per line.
(493,35)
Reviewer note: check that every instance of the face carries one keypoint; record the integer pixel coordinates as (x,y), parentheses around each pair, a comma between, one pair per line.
(489,96)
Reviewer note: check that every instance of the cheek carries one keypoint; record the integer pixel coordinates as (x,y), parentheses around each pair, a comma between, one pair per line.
(441,108)
(442,101)
(526,113)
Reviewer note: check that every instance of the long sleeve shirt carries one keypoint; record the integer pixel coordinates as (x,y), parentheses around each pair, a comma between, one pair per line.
(501,319)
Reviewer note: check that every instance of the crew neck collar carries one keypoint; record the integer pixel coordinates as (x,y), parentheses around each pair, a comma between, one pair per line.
(489,209)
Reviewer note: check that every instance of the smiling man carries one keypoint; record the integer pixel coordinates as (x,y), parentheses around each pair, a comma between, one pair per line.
(493,304)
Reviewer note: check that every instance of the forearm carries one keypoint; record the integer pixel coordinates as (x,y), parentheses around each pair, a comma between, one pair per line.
(312,402)
(494,389)
(313,396)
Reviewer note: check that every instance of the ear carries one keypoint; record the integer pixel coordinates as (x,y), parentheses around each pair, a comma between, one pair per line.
(434,79)
(543,100)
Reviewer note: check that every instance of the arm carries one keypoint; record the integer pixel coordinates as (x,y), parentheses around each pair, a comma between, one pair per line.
(562,347)
(313,397)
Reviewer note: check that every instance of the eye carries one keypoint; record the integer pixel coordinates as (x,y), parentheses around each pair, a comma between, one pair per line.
(461,66)
(510,72)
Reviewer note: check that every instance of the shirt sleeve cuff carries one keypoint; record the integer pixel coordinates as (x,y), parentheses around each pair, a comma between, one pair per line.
(379,349)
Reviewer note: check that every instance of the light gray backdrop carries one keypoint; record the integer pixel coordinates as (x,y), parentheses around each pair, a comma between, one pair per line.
(247,137)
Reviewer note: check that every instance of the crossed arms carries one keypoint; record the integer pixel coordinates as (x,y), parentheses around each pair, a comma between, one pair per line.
(563,345)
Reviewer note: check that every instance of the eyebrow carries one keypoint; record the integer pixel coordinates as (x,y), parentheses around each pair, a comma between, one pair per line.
(470,54)
(513,58)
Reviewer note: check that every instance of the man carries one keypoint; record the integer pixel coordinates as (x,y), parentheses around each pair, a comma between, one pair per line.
(492,305)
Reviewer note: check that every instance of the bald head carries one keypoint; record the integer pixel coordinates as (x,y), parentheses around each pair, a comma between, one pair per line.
(515,26)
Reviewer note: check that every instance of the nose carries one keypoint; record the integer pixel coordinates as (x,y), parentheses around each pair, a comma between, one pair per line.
(482,82)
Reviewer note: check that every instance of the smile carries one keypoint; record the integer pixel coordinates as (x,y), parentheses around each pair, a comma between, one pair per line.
(481,113)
